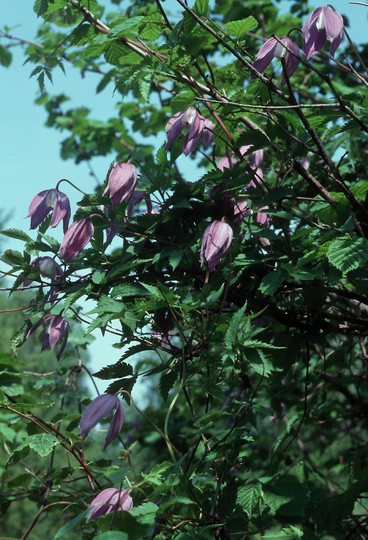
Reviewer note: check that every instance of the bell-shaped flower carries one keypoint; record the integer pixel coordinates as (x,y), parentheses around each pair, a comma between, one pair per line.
(282,48)
(110,500)
(137,197)
(323,25)
(55,332)
(216,243)
(76,238)
(45,202)
(241,211)
(46,266)
(195,126)
(102,406)
(255,161)
(262,218)
(121,183)
(208,132)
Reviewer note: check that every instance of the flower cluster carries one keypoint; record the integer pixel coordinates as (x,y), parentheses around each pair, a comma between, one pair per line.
(323,25)
(196,127)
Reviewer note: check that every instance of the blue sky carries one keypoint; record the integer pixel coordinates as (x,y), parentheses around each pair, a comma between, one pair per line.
(29,152)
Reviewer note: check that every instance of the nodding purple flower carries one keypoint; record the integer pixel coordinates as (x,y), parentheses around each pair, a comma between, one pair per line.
(46,266)
(262,218)
(241,211)
(197,128)
(76,238)
(255,161)
(56,332)
(208,132)
(283,48)
(110,500)
(121,183)
(136,198)
(216,243)
(324,24)
(100,407)
(45,202)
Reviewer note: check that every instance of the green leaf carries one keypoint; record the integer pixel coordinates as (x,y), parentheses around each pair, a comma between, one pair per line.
(289,486)
(5,56)
(238,29)
(144,84)
(122,27)
(42,443)
(98,277)
(40,7)
(15,258)
(108,305)
(167,382)
(71,524)
(250,499)
(154,477)
(17,234)
(145,513)
(114,53)
(287,533)
(272,282)
(201,7)
(275,501)
(181,102)
(231,335)
(111,535)
(151,27)
(114,371)
(260,362)
(347,254)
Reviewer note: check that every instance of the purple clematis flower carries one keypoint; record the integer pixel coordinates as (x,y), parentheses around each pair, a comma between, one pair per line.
(262,218)
(55,332)
(241,211)
(137,197)
(110,500)
(323,25)
(76,238)
(216,243)
(46,266)
(197,128)
(100,407)
(255,161)
(121,183)
(49,268)
(208,132)
(44,202)
(281,47)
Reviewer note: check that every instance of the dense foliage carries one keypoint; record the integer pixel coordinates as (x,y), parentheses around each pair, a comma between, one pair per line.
(236,283)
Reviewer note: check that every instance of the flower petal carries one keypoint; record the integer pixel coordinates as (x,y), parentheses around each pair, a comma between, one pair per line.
(115,425)
(100,407)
